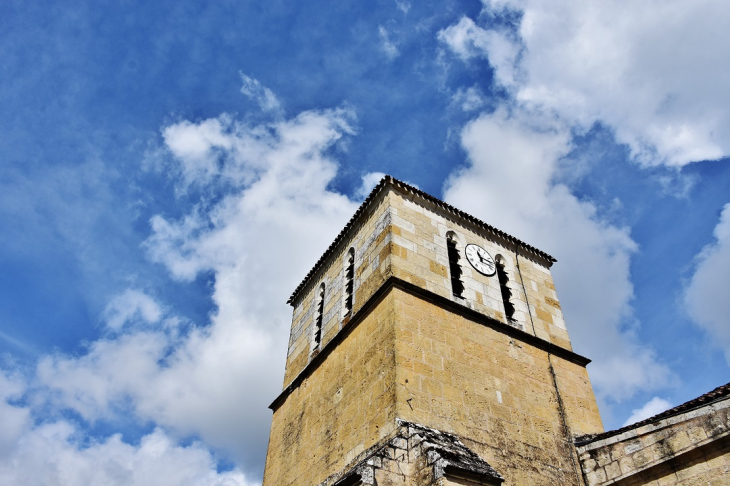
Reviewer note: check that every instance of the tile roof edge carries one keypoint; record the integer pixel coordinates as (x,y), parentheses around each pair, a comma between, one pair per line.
(405,187)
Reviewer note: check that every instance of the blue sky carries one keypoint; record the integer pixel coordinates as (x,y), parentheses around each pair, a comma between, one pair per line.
(159,158)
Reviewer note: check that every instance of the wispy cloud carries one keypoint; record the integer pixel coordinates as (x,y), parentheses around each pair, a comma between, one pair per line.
(652,407)
(469,99)
(403,5)
(706,293)
(468,40)
(132,304)
(389,47)
(262,95)
(23,346)
(369,181)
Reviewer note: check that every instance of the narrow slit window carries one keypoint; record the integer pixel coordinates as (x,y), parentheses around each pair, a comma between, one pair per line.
(457,286)
(349,280)
(319,317)
(509,308)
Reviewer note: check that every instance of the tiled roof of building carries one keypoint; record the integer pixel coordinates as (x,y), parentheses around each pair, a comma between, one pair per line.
(719,393)
(388,180)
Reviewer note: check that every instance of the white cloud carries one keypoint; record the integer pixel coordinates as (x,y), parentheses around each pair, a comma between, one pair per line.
(130,305)
(650,70)
(510,183)
(216,381)
(706,295)
(389,47)
(262,95)
(369,181)
(57,453)
(470,99)
(225,150)
(52,455)
(403,5)
(13,420)
(652,407)
(468,40)
(110,371)
(199,146)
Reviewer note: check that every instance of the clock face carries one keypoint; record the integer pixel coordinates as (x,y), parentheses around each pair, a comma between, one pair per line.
(481,260)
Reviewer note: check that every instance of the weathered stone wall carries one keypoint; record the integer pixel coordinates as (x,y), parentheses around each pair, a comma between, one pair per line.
(419,256)
(414,360)
(343,408)
(707,465)
(368,241)
(688,448)
(493,391)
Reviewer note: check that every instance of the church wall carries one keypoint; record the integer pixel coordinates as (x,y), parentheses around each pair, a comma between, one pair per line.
(419,256)
(707,465)
(346,406)
(493,391)
(420,236)
(368,241)
(545,311)
(689,448)
(578,401)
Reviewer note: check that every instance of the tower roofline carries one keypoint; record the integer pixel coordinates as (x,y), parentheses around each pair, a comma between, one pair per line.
(398,185)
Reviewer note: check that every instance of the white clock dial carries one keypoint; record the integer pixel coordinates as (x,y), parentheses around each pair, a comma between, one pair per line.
(481,260)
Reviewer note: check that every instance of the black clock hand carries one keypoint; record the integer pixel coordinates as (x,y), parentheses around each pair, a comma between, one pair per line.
(486,262)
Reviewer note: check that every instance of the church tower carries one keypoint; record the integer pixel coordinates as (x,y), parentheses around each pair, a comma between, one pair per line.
(428,348)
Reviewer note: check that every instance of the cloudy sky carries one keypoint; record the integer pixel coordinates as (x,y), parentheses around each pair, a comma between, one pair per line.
(171,170)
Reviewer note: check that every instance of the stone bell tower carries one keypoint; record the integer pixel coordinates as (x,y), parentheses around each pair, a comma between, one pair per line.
(428,348)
